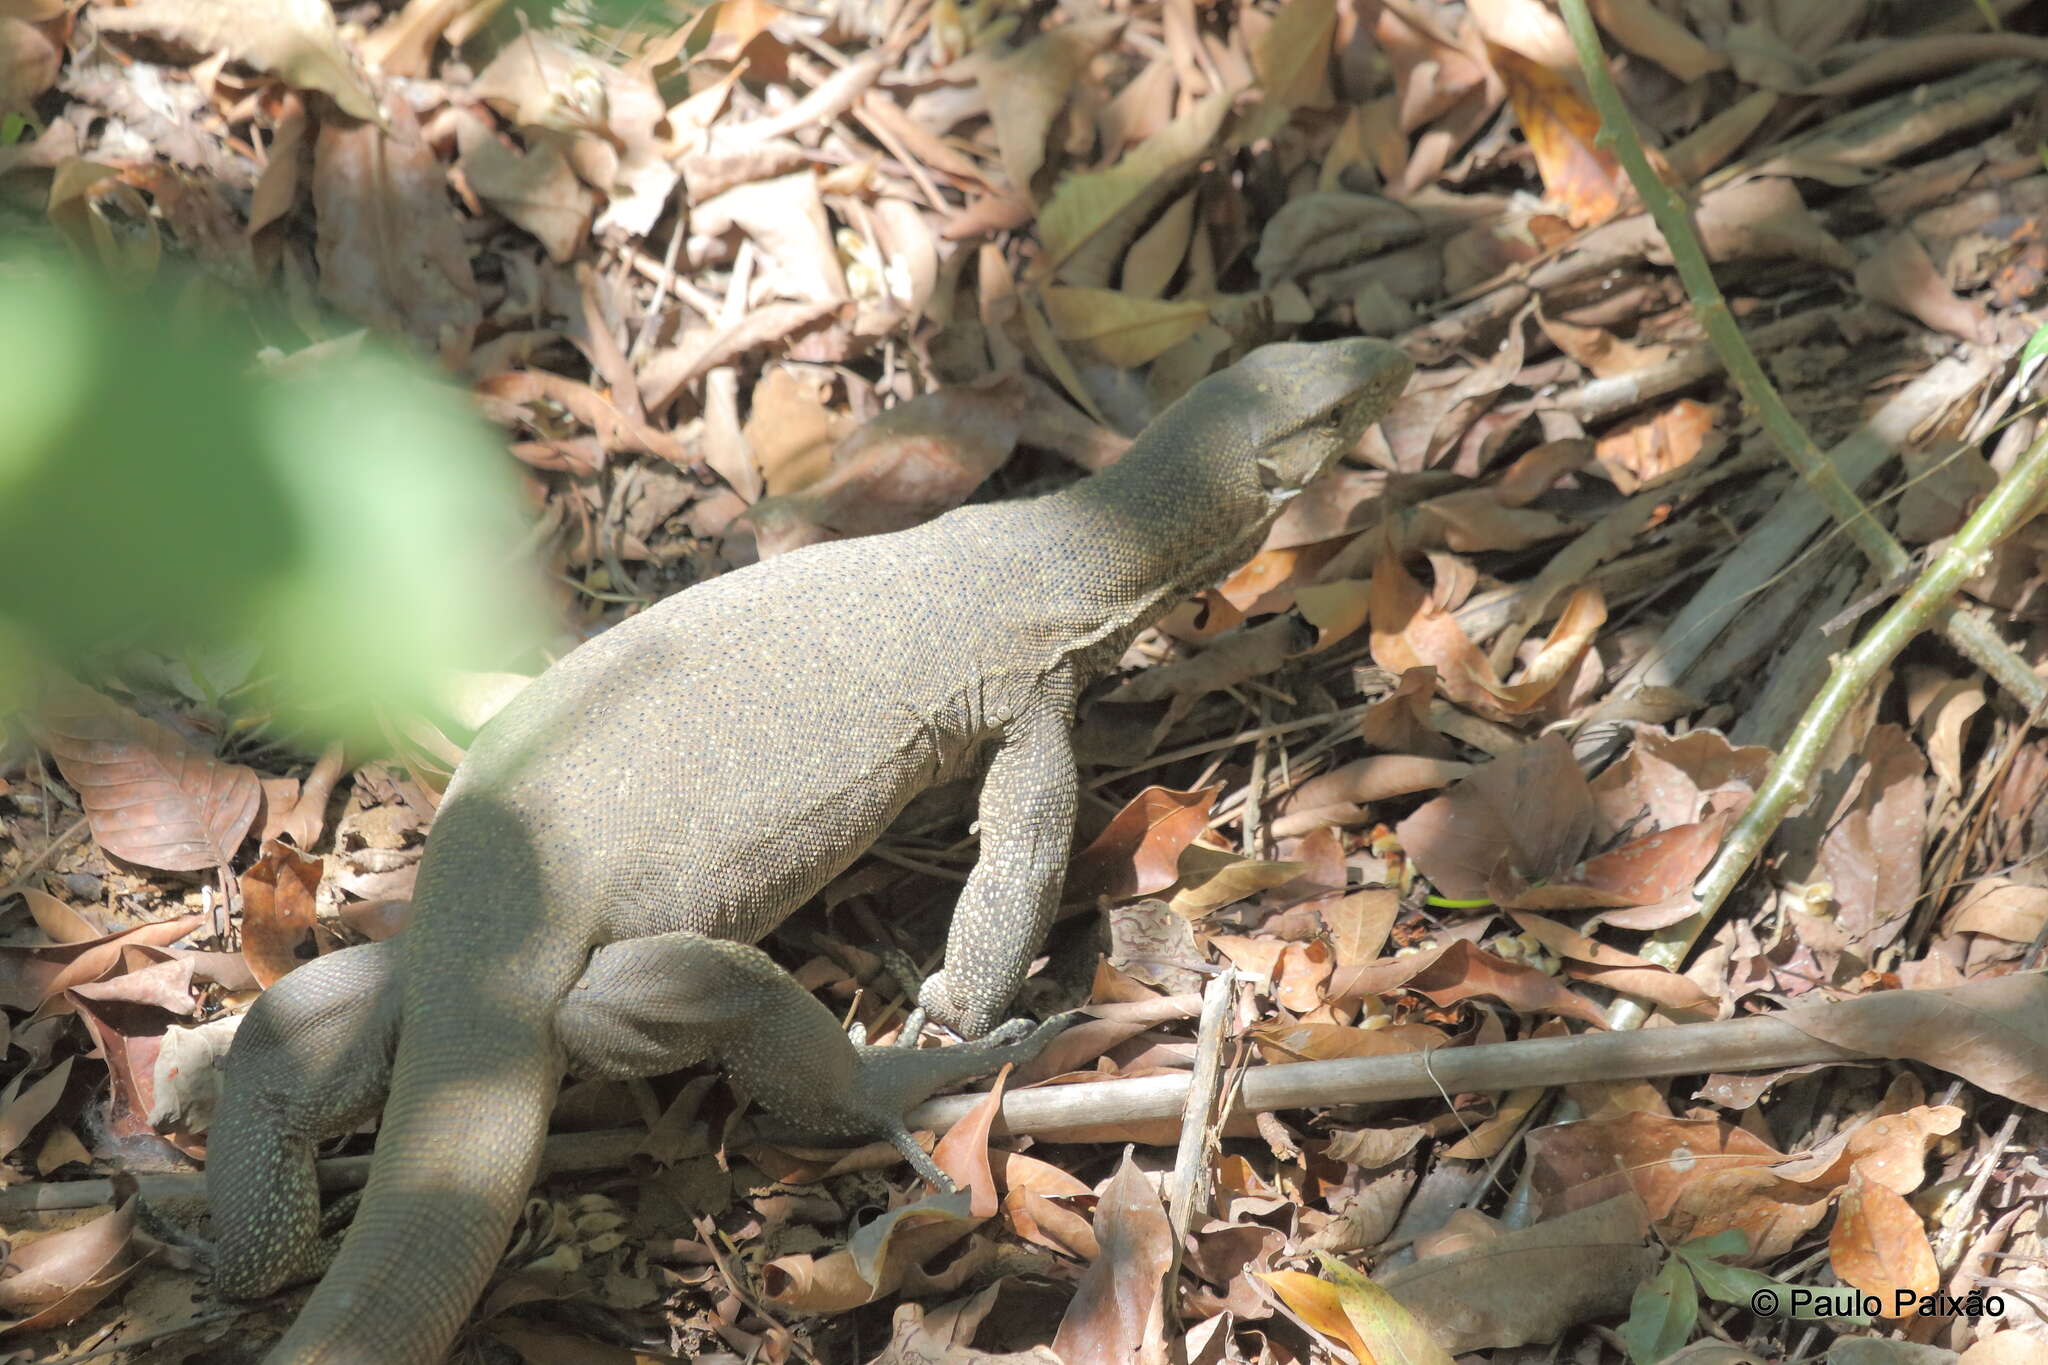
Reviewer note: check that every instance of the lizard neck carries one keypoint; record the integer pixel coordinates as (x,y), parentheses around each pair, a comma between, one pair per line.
(1179,511)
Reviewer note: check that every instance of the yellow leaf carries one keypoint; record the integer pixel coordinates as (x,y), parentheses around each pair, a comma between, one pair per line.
(1211,879)
(1389,1332)
(1121,328)
(1315,1302)
(1053,356)
(1104,208)
(1294,56)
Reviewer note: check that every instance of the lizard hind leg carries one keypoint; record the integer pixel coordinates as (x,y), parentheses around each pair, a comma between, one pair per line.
(650,1005)
(311,1061)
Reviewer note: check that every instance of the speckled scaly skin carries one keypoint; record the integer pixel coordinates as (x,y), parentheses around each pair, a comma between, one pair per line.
(624,830)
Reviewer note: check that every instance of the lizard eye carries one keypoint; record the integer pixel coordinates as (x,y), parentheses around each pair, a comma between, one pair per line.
(1333,419)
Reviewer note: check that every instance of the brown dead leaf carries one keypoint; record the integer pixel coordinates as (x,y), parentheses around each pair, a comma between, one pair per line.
(1138,852)
(786,219)
(1118,1313)
(913,462)
(1293,62)
(1870,853)
(2001,908)
(1359,923)
(1517,830)
(58,1278)
(1210,879)
(1377,777)
(60,922)
(610,119)
(277,910)
(1409,630)
(1476,519)
(299,43)
(30,58)
(1460,970)
(21,1112)
(1648,32)
(1530,809)
(963,1152)
(1879,1244)
(1993,1034)
(390,248)
(151,797)
(669,371)
(536,188)
(1531,1284)
(1310,1042)
(1026,88)
(1901,275)
(1889,1150)
(1647,450)
(32,977)
(1586,1162)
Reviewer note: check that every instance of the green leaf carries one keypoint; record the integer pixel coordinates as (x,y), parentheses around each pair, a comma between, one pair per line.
(355,521)
(1661,1316)
(2036,347)
(1728,1242)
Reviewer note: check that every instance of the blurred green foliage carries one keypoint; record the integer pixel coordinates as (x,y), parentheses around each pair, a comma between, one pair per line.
(352,521)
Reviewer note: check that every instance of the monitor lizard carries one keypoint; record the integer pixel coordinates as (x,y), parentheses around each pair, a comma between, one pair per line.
(626,828)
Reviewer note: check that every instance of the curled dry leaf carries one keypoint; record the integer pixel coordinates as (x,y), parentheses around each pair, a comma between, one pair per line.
(23,1111)
(151,797)
(1579,174)
(29,977)
(963,1152)
(1460,971)
(1993,1034)
(58,1278)
(296,40)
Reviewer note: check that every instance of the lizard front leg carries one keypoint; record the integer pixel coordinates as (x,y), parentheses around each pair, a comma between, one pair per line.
(311,1061)
(648,1006)
(1027,831)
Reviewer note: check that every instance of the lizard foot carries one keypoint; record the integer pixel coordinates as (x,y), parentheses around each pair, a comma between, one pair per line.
(893,1080)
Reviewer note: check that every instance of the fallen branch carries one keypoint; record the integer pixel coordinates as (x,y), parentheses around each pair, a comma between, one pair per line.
(1987,1032)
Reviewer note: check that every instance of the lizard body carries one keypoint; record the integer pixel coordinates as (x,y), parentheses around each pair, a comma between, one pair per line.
(625,829)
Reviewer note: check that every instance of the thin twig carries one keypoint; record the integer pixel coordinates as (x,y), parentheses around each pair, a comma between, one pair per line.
(1977,641)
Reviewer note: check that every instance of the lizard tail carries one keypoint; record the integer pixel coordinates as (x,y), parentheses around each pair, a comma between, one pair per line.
(456,1154)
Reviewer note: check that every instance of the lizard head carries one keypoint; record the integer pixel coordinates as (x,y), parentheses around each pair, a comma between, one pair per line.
(1314,399)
